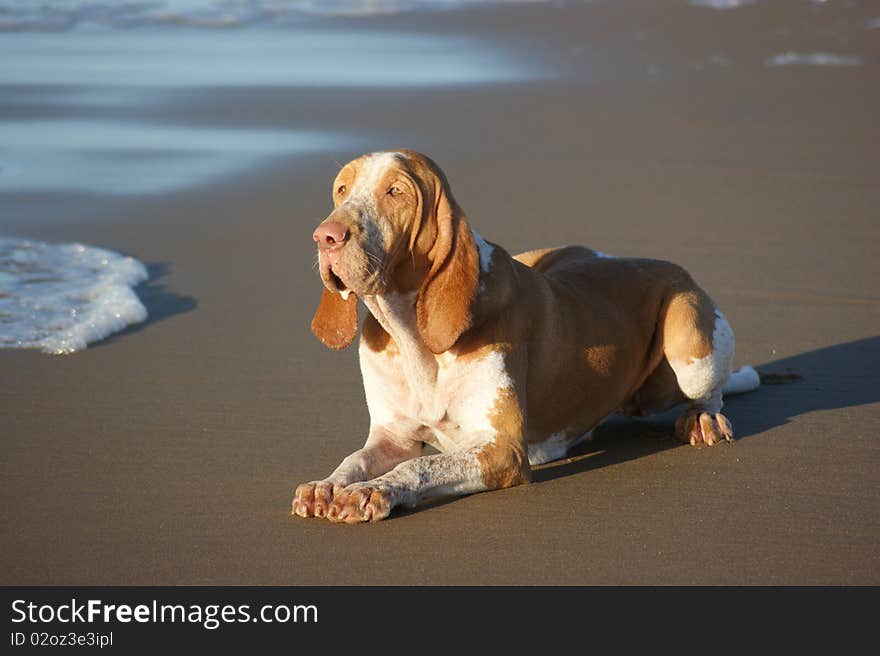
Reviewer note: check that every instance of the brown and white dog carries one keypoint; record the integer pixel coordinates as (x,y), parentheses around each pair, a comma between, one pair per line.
(498,362)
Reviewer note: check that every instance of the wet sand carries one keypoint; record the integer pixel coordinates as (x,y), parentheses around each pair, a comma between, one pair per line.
(168,454)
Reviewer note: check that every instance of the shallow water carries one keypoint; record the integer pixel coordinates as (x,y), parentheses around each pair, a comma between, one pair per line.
(86,110)
(93,94)
(135,157)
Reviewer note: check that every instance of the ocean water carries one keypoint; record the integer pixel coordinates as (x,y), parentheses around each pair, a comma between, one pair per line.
(60,297)
(215,14)
(91,92)
(88,88)
(95,109)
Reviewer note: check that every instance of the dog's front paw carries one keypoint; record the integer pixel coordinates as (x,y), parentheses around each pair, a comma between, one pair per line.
(314,499)
(360,502)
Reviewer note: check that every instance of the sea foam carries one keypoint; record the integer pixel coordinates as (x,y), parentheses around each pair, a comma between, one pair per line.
(722,4)
(812,59)
(61,297)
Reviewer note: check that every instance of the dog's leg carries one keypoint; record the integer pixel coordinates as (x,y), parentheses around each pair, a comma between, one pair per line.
(493,452)
(485,467)
(380,454)
(699,343)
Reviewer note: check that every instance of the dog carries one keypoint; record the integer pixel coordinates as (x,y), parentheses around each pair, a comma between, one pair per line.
(498,362)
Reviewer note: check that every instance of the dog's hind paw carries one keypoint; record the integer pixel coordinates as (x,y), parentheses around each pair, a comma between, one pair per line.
(703,428)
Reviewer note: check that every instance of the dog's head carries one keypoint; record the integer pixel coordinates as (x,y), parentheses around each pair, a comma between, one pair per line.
(395,227)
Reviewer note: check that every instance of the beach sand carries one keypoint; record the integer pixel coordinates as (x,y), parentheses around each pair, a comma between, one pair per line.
(168,454)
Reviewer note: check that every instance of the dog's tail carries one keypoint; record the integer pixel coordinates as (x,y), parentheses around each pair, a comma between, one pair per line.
(745,379)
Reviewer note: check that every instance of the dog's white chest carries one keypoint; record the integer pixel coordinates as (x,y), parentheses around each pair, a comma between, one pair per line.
(449,401)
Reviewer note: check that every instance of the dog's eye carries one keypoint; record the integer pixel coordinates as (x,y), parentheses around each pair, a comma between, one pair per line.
(395,191)
(341,189)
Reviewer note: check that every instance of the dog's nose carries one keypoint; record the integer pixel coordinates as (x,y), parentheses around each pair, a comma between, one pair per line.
(330,235)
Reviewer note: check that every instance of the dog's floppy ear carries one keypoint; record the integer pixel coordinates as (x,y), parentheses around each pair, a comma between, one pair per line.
(443,309)
(335,322)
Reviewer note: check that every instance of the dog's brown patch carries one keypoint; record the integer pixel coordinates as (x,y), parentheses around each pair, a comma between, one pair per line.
(504,462)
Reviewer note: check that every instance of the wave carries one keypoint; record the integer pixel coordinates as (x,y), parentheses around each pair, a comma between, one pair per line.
(63,15)
(812,59)
(61,297)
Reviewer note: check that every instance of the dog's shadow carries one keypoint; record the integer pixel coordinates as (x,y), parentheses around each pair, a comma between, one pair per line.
(840,376)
